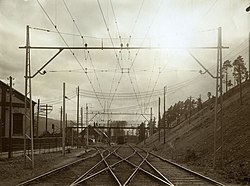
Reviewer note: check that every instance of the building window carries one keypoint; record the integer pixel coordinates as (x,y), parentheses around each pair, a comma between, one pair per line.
(17,124)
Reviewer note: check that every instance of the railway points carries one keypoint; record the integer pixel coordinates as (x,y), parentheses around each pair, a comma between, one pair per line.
(121,165)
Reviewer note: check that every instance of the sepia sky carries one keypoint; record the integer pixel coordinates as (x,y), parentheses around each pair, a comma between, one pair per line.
(161,23)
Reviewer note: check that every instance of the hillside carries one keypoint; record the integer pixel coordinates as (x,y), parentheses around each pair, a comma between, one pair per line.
(192,143)
(42,124)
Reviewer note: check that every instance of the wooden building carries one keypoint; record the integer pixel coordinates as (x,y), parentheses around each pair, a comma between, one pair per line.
(18,119)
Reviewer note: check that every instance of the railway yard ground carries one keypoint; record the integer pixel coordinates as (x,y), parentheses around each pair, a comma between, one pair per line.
(12,170)
(127,160)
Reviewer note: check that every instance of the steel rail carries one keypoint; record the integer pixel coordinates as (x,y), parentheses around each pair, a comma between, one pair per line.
(114,164)
(110,170)
(136,170)
(55,170)
(188,170)
(79,180)
(143,170)
(153,167)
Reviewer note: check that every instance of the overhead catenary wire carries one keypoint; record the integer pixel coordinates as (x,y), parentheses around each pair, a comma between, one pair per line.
(112,83)
(137,99)
(137,52)
(84,43)
(91,70)
(116,23)
(146,34)
(117,58)
(68,46)
(112,42)
(153,88)
(79,35)
(135,22)
(113,95)
(137,84)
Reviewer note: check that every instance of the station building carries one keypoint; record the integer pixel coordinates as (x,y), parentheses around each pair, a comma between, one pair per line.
(18,114)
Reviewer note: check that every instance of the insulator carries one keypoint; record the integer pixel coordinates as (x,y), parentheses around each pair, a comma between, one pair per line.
(86,45)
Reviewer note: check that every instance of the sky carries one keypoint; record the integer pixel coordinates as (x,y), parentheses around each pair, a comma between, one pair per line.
(119,79)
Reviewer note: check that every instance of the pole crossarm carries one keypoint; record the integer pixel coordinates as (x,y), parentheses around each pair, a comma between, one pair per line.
(113,47)
(206,70)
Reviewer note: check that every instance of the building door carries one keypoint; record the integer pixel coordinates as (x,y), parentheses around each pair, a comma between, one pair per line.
(17,124)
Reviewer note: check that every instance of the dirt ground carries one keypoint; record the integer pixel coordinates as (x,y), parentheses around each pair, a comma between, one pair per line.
(13,171)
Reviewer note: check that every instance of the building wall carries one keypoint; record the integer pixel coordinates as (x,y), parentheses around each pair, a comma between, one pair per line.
(7,122)
(17,107)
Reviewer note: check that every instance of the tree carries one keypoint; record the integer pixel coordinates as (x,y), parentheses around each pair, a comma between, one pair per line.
(209,94)
(199,103)
(141,132)
(240,72)
(226,65)
(229,83)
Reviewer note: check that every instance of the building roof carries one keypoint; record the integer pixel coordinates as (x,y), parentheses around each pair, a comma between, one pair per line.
(18,94)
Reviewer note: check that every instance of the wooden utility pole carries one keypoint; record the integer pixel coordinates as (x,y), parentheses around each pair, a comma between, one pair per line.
(151,123)
(109,132)
(10,121)
(37,117)
(190,107)
(164,114)
(66,128)
(61,121)
(81,118)
(219,85)
(46,121)
(63,124)
(77,119)
(239,69)
(81,122)
(221,94)
(249,56)
(87,127)
(72,137)
(159,119)
(216,106)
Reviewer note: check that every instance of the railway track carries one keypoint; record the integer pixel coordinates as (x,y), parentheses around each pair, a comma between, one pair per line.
(121,165)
